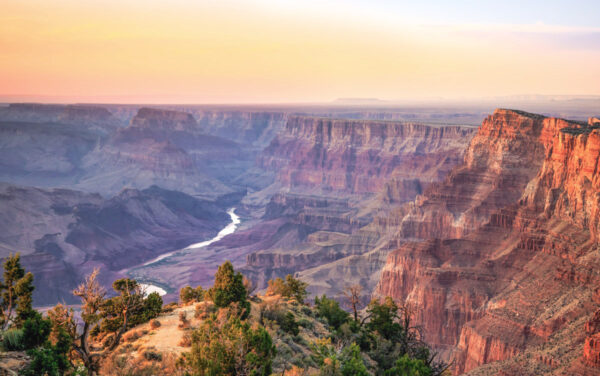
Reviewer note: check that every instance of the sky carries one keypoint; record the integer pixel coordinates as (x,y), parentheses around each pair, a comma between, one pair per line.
(278,51)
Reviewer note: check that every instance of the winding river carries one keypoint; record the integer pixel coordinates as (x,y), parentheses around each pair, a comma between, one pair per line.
(227,230)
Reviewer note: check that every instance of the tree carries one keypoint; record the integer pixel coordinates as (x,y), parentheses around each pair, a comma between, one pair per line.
(352,294)
(297,288)
(113,314)
(276,287)
(385,319)
(229,288)
(16,294)
(331,311)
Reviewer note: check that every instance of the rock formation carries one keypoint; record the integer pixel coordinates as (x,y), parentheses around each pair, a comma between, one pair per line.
(512,258)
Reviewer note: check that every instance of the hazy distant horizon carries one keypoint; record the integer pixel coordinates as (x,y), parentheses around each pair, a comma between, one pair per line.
(342,101)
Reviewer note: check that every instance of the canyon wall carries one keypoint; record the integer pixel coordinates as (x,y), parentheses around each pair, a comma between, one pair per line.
(159,147)
(360,156)
(255,128)
(506,277)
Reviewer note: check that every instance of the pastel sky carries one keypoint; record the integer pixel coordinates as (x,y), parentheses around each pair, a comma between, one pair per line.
(235,51)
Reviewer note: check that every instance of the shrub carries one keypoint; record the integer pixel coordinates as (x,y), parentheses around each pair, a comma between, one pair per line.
(352,363)
(169,307)
(203,309)
(43,363)
(132,335)
(290,288)
(186,340)
(12,340)
(36,331)
(409,367)
(186,295)
(224,344)
(288,324)
(183,321)
(305,323)
(50,359)
(152,355)
(154,324)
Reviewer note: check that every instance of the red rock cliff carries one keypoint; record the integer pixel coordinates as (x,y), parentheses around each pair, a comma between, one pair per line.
(513,260)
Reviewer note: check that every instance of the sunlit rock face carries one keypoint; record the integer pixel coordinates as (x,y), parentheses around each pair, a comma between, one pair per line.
(511,262)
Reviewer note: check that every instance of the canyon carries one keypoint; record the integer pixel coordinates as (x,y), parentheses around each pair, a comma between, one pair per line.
(488,233)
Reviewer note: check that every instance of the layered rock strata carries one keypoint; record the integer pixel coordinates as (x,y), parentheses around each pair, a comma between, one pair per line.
(512,261)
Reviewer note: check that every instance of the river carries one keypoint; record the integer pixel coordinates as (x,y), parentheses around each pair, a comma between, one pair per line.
(227,230)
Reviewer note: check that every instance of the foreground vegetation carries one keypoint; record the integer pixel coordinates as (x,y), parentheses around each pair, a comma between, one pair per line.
(236,333)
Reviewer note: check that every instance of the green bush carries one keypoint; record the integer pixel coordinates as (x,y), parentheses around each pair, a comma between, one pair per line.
(305,323)
(43,363)
(221,348)
(289,325)
(50,360)
(290,288)
(36,331)
(409,367)
(331,311)
(152,355)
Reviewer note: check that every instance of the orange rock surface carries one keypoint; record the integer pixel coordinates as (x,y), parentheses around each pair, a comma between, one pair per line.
(508,263)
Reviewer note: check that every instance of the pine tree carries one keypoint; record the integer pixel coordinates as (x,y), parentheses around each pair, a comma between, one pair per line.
(16,294)
(229,288)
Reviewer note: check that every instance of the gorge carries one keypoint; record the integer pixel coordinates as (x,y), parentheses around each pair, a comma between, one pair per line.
(489,233)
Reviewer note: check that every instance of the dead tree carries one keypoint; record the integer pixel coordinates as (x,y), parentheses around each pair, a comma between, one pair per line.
(352,294)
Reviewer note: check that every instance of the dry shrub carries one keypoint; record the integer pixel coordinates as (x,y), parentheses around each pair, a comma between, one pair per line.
(271,312)
(295,371)
(183,321)
(152,354)
(107,340)
(169,307)
(126,365)
(154,324)
(186,340)
(204,309)
(132,335)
